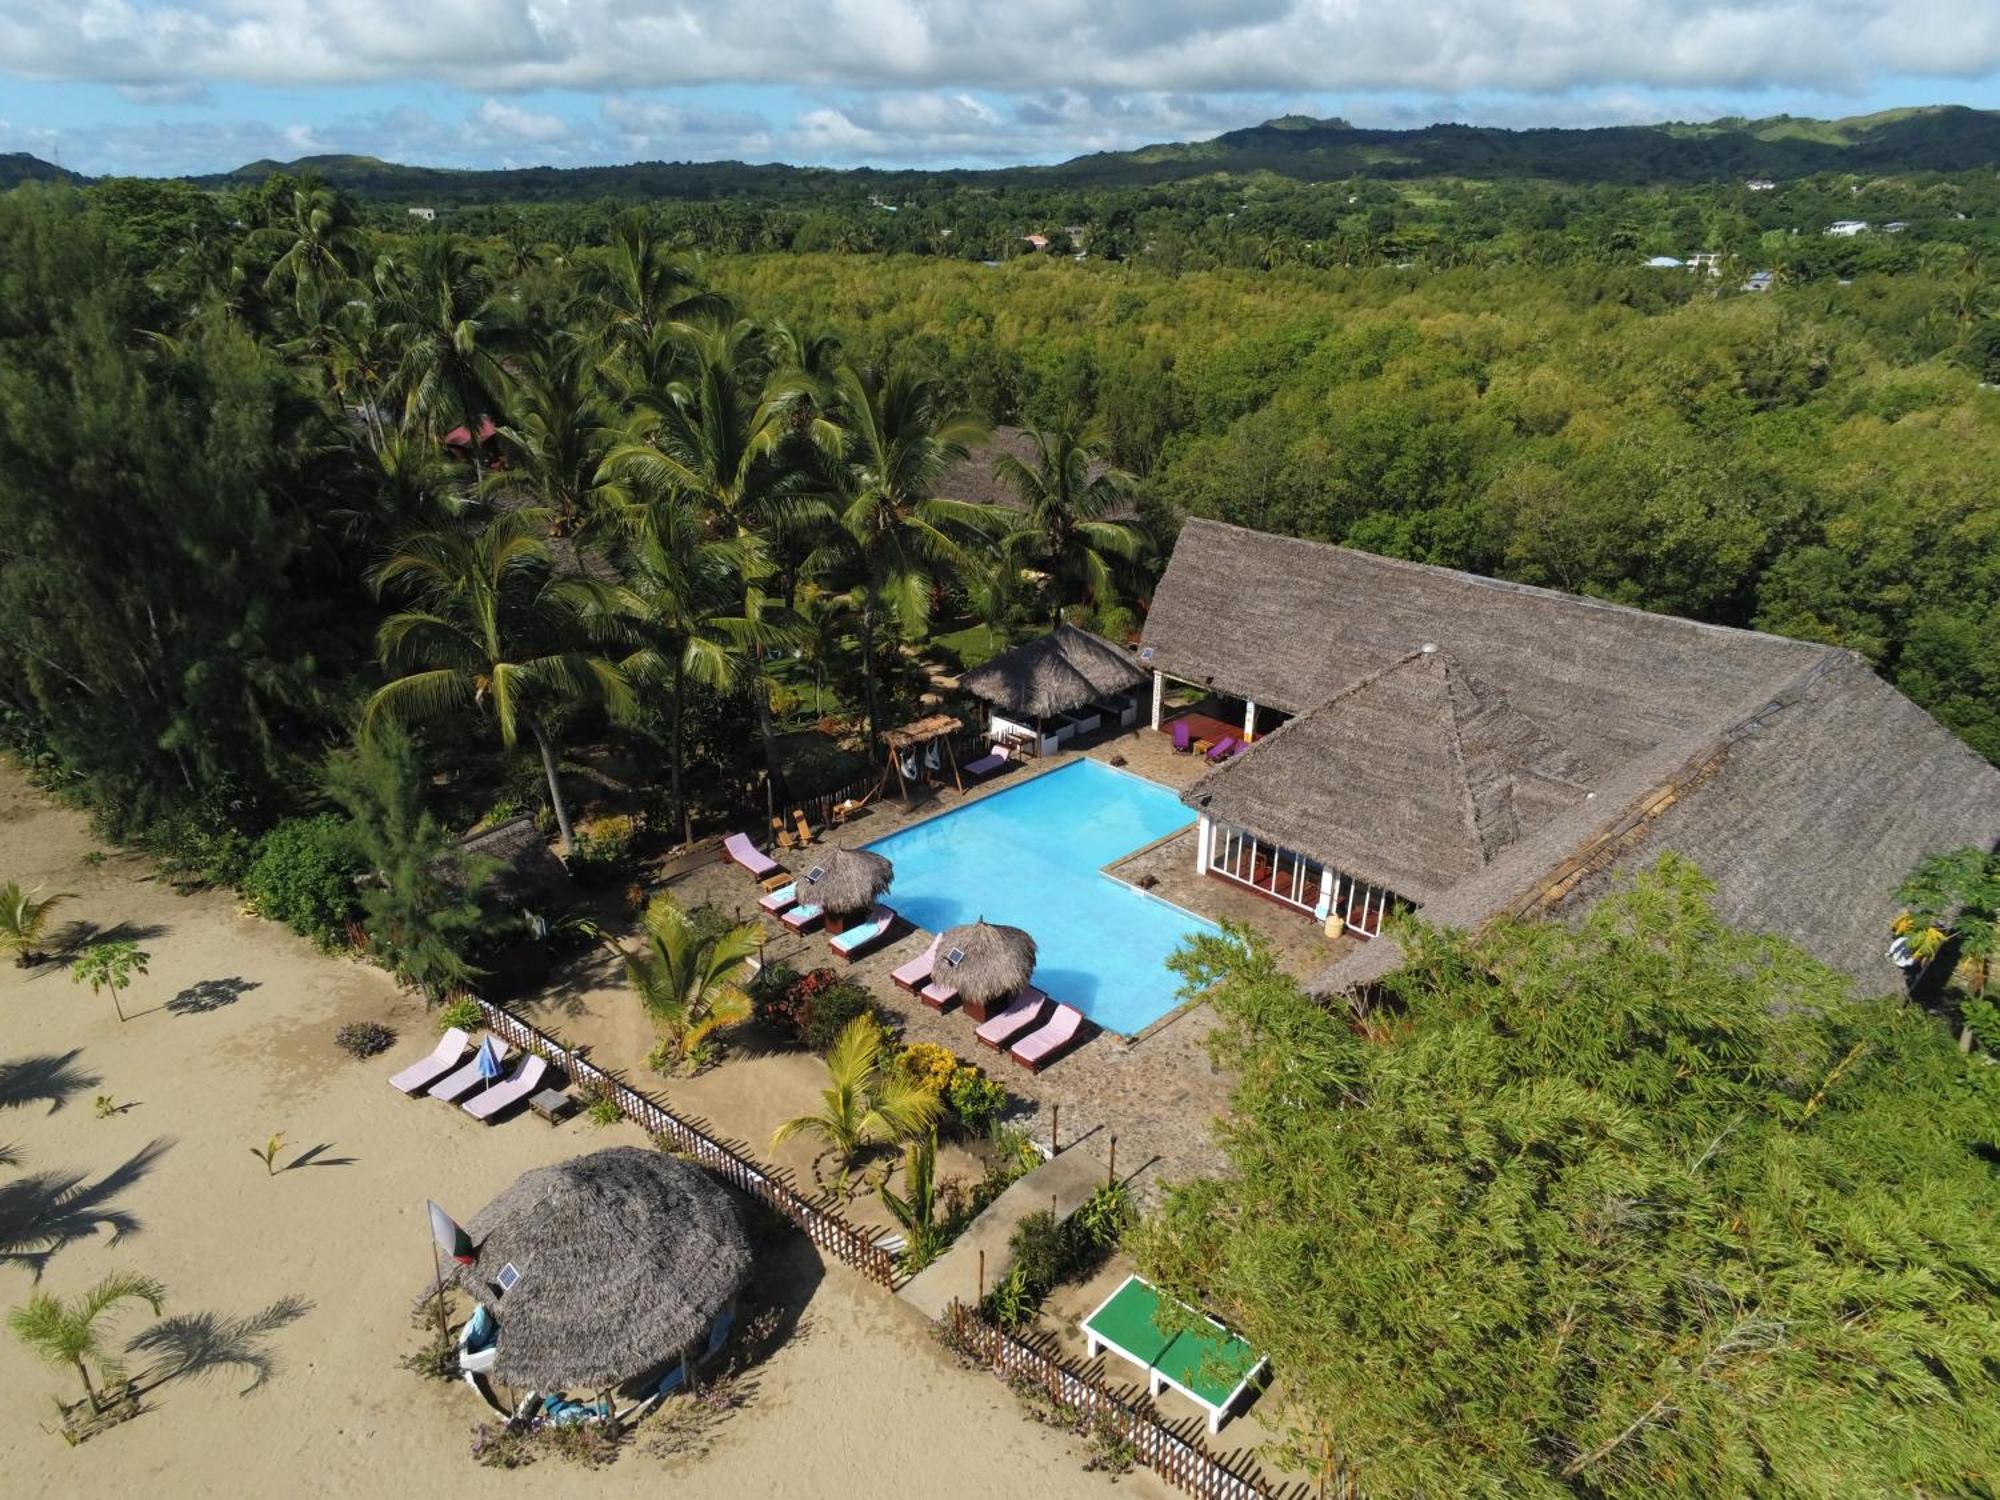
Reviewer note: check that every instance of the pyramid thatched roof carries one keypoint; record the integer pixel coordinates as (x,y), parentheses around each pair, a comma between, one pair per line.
(626,1257)
(525,869)
(1055,674)
(1556,739)
(998,960)
(851,881)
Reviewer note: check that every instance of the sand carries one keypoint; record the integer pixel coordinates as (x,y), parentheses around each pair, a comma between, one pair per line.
(230,1040)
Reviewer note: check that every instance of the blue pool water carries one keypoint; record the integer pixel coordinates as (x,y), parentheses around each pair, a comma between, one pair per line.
(1029,856)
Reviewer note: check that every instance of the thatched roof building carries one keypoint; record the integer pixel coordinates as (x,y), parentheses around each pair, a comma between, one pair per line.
(1547,741)
(997,961)
(626,1257)
(851,880)
(1056,673)
(525,868)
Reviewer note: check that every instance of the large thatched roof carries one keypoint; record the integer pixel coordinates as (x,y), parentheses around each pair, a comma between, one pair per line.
(1055,674)
(626,1257)
(998,960)
(1551,739)
(850,881)
(1411,780)
(525,870)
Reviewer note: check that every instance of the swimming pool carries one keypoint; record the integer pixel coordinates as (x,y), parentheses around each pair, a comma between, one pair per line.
(1030,856)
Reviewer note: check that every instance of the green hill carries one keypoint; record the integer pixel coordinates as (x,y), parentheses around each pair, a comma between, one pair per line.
(18,167)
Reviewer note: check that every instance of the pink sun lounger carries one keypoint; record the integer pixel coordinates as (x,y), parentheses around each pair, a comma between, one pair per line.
(1049,1041)
(739,848)
(917,971)
(1022,1016)
(418,1075)
(456,1086)
(525,1079)
(784,897)
(939,996)
(802,918)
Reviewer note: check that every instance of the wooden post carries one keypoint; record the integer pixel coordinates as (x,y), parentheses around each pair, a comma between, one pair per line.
(1055,1119)
(982,1278)
(437,1282)
(1111,1175)
(952,756)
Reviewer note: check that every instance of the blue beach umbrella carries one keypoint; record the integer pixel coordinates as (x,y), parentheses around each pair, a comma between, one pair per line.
(488,1060)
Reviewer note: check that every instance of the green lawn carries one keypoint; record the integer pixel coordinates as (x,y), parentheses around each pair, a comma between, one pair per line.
(973,645)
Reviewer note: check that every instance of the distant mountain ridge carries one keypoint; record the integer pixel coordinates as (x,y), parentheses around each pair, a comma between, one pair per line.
(19,166)
(1942,138)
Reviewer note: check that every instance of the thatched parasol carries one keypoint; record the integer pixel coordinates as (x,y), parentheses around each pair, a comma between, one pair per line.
(626,1256)
(852,880)
(998,961)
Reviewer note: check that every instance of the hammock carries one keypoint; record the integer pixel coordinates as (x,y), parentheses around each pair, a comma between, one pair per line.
(932,760)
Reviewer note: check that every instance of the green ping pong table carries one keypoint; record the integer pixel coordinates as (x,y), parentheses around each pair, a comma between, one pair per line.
(1211,1367)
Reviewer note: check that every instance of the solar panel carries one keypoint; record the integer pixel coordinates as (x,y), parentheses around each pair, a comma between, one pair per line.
(955,957)
(1145,653)
(815,874)
(510,1277)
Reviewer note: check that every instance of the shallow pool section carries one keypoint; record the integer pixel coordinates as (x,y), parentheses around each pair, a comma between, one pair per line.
(1030,856)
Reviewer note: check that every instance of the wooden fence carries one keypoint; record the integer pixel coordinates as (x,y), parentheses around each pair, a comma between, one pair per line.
(822,1225)
(1182,1460)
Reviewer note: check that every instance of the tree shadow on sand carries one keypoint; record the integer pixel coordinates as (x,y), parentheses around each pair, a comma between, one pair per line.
(49,1079)
(45,1211)
(72,938)
(193,1346)
(211,994)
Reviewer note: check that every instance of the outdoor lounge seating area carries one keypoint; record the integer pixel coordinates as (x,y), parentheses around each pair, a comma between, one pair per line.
(481,1086)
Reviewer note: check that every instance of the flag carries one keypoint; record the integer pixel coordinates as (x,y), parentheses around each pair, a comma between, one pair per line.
(451,1239)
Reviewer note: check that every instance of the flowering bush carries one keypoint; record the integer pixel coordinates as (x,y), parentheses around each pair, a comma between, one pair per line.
(929,1066)
(976,1099)
(602,849)
(813,1008)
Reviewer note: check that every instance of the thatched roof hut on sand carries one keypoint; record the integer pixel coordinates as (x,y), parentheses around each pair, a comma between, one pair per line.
(996,962)
(625,1259)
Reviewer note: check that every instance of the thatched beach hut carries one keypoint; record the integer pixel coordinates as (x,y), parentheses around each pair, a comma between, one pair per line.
(996,962)
(1065,682)
(850,882)
(622,1261)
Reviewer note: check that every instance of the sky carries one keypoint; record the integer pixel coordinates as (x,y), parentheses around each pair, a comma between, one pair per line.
(155,87)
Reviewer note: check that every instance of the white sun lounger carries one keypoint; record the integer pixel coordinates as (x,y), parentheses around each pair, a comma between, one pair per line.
(783,897)
(854,941)
(799,918)
(1023,1015)
(525,1079)
(739,848)
(456,1086)
(443,1058)
(1049,1041)
(917,971)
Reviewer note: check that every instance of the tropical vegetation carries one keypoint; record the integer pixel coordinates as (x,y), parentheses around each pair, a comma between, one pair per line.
(72,1333)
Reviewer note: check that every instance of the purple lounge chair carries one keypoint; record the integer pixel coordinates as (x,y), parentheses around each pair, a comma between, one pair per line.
(418,1075)
(1183,737)
(991,762)
(917,971)
(850,943)
(938,995)
(1222,749)
(739,848)
(456,1086)
(1049,1041)
(1022,1016)
(803,918)
(782,899)
(524,1080)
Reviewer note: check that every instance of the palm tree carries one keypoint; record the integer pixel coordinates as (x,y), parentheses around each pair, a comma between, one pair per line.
(555,431)
(915,1210)
(24,920)
(71,1332)
(1067,496)
(491,628)
(323,248)
(682,591)
(440,303)
(687,976)
(717,440)
(641,289)
(896,441)
(867,1102)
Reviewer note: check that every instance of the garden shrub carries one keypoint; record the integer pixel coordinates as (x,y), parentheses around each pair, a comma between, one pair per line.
(195,851)
(303,875)
(364,1038)
(974,1098)
(602,851)
(464,1014)
(812,1008)
(928,1065)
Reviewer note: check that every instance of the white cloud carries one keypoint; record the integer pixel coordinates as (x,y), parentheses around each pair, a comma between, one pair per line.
(1441,47)
(512,123)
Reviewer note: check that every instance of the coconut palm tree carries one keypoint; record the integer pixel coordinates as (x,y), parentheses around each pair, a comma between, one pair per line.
(686,977)
(24,920)
(1064,528)
(868,1101)
(70,1332)
(555,433)
(322,245)
(641,289)
(896,440)
(491,628)
(441,304)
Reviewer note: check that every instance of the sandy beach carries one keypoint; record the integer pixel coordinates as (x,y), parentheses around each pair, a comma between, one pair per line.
(229,1041)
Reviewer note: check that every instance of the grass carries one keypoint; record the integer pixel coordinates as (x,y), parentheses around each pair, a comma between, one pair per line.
(973,645)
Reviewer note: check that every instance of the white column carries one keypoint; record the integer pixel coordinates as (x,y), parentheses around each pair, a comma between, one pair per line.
(1249,720)
(1201,845)
(1159,696)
